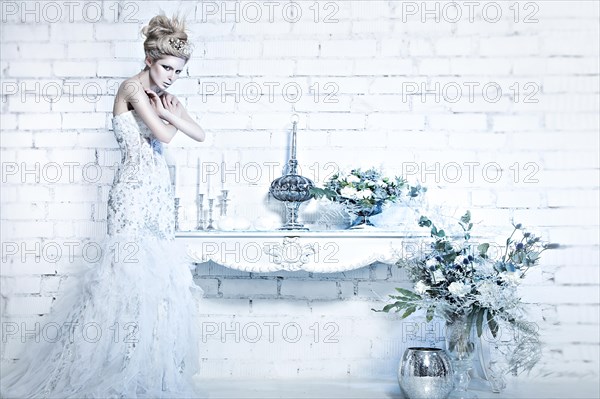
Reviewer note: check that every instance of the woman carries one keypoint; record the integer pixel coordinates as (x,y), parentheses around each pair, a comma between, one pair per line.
(125,327)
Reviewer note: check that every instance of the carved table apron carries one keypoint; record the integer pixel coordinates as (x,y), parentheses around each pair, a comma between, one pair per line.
(312,251)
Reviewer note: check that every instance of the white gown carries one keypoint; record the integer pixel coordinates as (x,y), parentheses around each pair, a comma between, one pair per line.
(129,323)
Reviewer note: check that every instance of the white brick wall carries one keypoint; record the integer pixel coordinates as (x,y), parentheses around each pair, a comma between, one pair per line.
(392,71)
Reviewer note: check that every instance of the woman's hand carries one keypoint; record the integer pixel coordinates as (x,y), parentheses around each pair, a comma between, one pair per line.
(156,103)
(172,104)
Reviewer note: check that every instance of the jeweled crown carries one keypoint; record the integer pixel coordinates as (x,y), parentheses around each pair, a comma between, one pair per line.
(182,46)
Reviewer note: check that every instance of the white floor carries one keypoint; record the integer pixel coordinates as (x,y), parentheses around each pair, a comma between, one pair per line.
(375,389)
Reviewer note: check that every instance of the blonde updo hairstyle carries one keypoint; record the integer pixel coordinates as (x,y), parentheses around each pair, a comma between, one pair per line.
(166,36)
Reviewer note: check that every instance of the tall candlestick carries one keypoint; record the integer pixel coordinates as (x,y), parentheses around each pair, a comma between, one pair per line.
(222,171)
(208,185)
(198,177)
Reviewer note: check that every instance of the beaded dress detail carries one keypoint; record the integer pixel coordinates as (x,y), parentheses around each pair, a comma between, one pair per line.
(126,326)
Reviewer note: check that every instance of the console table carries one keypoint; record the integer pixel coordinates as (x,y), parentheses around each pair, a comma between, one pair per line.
(312,251)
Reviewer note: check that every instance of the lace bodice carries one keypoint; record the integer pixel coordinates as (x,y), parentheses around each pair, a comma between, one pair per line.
(140,201)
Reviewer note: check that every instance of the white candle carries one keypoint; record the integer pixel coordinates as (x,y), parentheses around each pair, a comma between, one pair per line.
(208,185)
(222,171)
(198,177)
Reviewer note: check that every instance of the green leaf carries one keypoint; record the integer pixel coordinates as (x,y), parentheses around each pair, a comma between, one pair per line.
(424,221)
(408,312)
(441,233)
(430,313)
(483,248)
(466,218)
(408,293)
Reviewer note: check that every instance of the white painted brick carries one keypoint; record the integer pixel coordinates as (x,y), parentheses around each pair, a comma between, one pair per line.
(29,69)
(111,31)
(29,103)
(69,211)
(348,48)
(572,121)
(280,307)
(580,198)
(509,45)
(383,67)
(382,103)
(568,65)
(83,120)
(9,122)
(42,51)
(251,287)
(42,121)
(454,46)
(74,69)
(577,275)
(309,289)
(25,32)
(394,47)
(17,139)
(420,47)
(569,314)
(518,199)
(458,122)
(561,294)
(478,66)
(25,211)
(266,67)
(508,122)
(64,32)
(121,69)
(395,121)
(88,50)
(372,27)
(248,28)
(236,50)
(28,305)
(433,66)
(576,43)
(336,120)
(323,67)
(10,51)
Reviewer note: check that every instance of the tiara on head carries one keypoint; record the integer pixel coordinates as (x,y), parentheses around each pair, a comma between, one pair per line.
(181,45)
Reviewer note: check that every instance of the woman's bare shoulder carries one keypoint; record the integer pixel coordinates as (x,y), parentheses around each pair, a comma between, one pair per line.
(130,87)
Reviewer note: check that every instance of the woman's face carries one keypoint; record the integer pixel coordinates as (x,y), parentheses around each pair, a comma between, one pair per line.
(165,71)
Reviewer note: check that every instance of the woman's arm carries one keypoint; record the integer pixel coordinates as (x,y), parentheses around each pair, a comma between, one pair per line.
(137,96)
(176,115)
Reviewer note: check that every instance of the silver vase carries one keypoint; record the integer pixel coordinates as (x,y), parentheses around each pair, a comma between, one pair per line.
(425,373)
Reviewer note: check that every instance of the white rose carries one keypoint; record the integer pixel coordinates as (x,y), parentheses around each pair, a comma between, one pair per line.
(421,287)
(459,289)
(438,276)
(352,178)
(348,192)
(364,193)
(431,262)
(510,277)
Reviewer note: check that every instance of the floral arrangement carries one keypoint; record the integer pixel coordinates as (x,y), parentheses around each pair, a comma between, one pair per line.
(366,189)
(456,279)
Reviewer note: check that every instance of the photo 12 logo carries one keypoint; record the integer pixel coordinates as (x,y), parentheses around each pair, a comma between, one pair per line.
(471,11)
(268,11)
(69,11)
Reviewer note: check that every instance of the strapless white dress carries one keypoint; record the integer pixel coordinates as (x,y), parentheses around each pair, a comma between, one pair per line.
(129,325)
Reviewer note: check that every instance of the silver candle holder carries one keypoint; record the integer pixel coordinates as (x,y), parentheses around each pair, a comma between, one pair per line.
(176,210)
(224,194)
(199,212)
(292,189)
(210,226)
